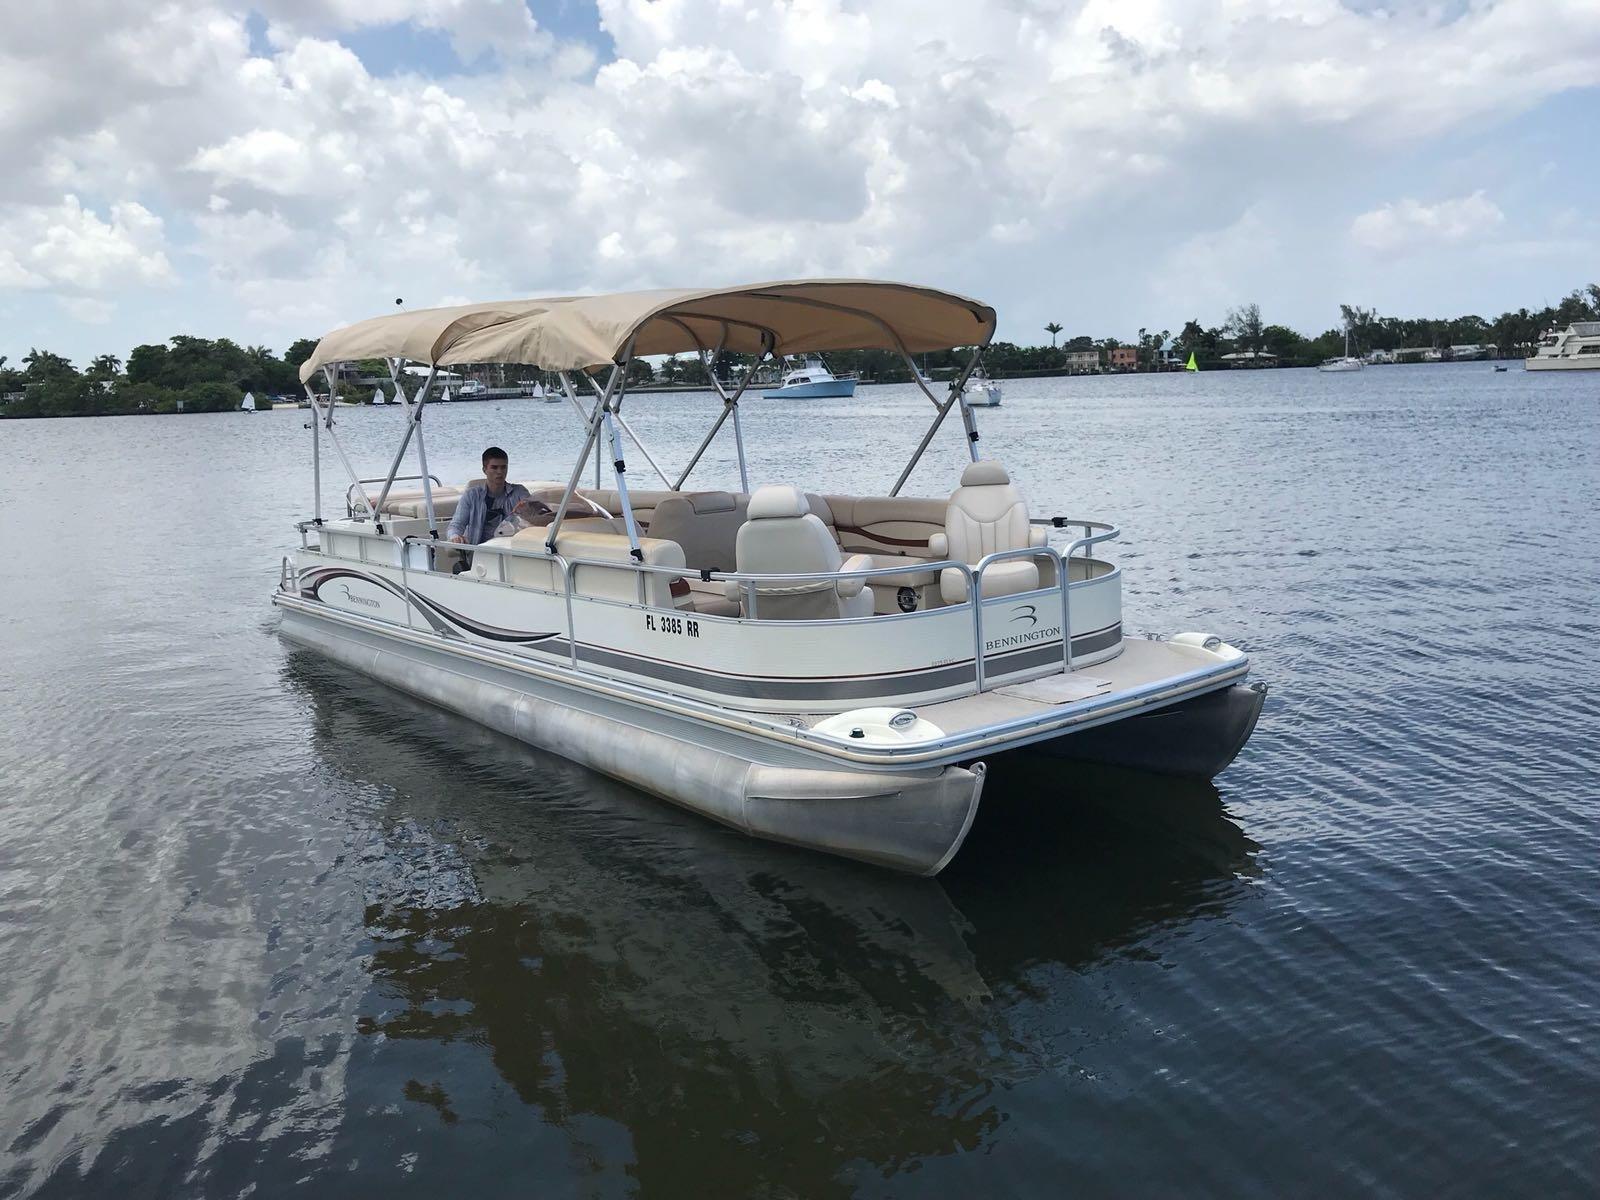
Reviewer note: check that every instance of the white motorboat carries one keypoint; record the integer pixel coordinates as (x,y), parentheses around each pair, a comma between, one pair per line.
(812,380)
(824,669)
(982,392)
(1347,363)
(1575,348)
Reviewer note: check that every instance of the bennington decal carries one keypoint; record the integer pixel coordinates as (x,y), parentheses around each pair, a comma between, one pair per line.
(1028,614)
(362,600)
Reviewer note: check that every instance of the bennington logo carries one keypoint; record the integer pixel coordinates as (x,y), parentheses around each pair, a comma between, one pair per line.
(362,600)
(1028,614)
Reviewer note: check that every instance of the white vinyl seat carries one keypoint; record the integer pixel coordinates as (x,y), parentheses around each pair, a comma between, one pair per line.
(985,514)
(781,535)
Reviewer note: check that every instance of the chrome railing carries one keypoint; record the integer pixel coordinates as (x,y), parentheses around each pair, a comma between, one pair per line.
(1095,533)
(349,498)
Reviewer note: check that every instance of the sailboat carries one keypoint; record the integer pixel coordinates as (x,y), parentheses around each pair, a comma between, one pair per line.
(377,396)
(1347,363)
(248,404)
(1191,365)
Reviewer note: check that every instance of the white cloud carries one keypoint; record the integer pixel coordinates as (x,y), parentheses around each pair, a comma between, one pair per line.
(1408,224)
(914,138)
(69,247)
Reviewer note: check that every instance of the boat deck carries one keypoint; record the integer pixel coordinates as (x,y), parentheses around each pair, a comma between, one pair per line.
(1143,664)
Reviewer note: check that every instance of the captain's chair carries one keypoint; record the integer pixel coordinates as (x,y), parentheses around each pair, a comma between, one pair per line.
(781,535)
(985,514)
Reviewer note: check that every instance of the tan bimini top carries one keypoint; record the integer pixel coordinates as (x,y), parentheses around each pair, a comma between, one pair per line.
(568,333)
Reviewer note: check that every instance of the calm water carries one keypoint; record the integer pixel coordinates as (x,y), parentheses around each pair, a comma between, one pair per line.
(266,927)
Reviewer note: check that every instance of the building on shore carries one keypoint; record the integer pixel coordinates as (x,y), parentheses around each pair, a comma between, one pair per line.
(1250,358)
(1470,353)
(1082,362)
(1123,358)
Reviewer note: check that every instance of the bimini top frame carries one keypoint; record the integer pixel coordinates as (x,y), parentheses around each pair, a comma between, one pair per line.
(586,334)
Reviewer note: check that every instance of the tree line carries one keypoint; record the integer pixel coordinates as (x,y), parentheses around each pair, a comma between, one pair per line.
(185,374)
(191,374)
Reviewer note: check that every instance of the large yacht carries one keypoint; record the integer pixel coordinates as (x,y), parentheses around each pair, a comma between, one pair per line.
(826,669)
(1575,348)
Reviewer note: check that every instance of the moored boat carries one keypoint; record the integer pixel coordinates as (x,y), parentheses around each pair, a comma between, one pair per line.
(819,668)
(983,392)
(1575,348)
(812,380)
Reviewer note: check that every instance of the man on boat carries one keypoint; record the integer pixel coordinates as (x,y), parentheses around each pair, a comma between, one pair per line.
(484,505)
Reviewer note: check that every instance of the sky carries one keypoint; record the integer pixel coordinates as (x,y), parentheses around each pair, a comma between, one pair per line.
(271,171)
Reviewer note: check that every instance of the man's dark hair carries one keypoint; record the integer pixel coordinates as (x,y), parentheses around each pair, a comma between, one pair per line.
(494,452)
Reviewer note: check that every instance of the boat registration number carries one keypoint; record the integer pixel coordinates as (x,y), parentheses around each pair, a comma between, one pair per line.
(677,625)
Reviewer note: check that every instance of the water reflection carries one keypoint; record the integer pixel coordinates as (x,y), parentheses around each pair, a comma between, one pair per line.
(735,1006)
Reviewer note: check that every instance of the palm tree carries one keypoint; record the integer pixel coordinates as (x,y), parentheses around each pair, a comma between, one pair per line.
(1052,329)
(105,366)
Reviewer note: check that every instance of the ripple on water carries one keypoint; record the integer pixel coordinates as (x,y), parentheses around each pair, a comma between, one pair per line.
(269,926)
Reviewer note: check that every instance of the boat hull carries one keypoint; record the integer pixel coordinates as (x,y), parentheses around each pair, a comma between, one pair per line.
(1568,363)
(833,389)
(1196,738)
(911,820)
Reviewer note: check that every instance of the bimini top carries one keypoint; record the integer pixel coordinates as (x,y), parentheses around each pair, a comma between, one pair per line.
(568,333)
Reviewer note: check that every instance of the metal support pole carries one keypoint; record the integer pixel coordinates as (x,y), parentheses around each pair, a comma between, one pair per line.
(620,471)
(738,445)
(704,442)
(916,455)
(970,421)
(414,425)
(654,466)
(957,392)
(422,450)
(614,387)
(593,424)
(316,461)
(327,420)
(730,407)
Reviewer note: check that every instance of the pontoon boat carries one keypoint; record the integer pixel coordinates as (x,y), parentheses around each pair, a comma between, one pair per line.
(817,668)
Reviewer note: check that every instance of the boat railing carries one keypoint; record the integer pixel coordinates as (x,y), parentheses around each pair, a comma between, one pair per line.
(349,492)
(1095,532)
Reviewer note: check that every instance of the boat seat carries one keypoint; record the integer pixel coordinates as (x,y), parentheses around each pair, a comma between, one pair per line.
(985,514)
(410,502)
(601,582)
(706,525)
(783,536)
(644,501)
(892,531)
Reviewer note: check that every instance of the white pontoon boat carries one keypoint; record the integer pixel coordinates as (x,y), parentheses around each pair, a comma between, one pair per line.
(828,670)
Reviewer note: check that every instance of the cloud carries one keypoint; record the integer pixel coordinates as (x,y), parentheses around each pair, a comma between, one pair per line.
(1035,150)
(1406,224)
(68,247)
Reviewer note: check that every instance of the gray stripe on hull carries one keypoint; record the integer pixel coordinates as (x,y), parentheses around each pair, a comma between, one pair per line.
(769,687)
(909,683)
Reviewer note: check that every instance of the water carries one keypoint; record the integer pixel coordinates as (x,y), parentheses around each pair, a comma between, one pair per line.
(268,928)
